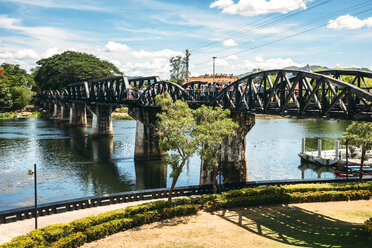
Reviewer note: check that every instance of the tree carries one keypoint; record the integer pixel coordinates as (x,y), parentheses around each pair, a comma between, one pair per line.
(183,131)
(175,127)
(360,135)
(178,69)
(15,87)
(212,126)
(60,70)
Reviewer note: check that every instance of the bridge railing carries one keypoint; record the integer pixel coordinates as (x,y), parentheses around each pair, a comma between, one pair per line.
(16,214)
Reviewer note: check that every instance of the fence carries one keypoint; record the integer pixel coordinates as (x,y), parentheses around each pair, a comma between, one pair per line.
(13,215)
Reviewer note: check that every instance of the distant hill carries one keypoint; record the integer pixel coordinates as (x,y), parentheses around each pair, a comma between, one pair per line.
(304,68)
(312,68)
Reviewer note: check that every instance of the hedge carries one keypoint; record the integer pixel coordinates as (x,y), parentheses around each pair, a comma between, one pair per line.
(368,227)
(92,228)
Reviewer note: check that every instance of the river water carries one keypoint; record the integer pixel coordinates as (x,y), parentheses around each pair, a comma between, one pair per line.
(71,164)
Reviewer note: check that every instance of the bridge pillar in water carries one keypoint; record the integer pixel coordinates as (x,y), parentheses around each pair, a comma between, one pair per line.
(65,112)
(57,111)
(102,120)
(78,115)
(146,144)
(233,162)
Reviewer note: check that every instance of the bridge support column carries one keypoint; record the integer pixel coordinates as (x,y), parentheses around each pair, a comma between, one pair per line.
(57,111)
(233,162)
(65,112)
(146,144)
(78,115)
(102,120)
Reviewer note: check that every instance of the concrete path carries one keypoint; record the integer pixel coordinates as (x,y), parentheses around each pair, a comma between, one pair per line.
(10,230)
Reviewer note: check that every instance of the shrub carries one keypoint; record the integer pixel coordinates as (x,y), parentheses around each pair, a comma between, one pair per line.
(71,241)
(368,227)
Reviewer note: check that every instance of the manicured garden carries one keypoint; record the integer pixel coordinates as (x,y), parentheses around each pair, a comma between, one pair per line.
(93,228)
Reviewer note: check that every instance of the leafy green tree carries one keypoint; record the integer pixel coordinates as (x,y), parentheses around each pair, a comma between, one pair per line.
(359,134)
(183,131)
(15,87)
(175,127)
(212,126)
(178,69)
(60,70)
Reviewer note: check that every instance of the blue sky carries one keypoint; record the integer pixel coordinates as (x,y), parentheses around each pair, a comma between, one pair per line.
(139,36)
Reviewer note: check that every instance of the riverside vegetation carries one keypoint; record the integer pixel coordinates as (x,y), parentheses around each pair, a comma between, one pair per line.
(91,228)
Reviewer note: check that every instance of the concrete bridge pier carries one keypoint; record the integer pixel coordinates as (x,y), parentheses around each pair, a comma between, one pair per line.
(146,144)
(56,111)
(78,115)
(102,120)
(65,112)
(233,162)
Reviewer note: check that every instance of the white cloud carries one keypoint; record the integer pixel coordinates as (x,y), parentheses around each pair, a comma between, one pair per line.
(229,43)
(20,54)
(273,63)
(232,57)
(50,52)
(112,46)
(370,67)
(165,53)
(349,22)
(257,7)
(47,34)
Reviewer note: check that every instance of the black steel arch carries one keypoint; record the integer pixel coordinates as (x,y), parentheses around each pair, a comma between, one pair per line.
(358,77)
(147,98)
(297,93)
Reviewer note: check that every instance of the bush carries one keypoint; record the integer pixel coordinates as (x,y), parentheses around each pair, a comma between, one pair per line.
(368,227)
(92,228)
(71,241)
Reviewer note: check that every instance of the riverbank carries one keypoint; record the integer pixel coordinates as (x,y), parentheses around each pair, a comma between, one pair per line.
(325,224)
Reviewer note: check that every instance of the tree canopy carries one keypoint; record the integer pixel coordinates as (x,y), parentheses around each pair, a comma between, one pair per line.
(60,70)
(359,134)
(183,131)
(178,69)
(15,87)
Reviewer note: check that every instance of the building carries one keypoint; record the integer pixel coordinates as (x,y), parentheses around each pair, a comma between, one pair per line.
(223,79)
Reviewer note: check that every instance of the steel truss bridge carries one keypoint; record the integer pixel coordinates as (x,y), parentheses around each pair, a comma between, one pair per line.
(323,94)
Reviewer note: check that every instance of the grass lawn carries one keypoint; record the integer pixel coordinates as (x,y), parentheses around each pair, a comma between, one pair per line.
(328,224)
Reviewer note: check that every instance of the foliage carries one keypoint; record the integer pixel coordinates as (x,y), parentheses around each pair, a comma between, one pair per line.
(92,228)
(212,126)
(359,134)
(175,127)
(368,227)
(68,235)
(15,87)
(6,116)
(73,240)
(178,69)
(60,70)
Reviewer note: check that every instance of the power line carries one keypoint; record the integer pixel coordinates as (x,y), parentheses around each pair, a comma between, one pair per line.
(264,24)
(287,37)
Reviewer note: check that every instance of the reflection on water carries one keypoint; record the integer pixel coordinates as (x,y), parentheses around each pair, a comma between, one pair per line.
(315,171)
(71,164)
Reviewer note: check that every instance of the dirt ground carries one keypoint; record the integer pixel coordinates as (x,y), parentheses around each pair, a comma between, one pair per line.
(330,224)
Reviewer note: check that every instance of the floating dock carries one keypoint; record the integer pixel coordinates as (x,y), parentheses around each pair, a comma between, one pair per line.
(332,157)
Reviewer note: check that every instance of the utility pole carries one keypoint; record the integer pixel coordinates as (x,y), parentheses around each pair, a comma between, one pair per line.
(214,67)
(187,65)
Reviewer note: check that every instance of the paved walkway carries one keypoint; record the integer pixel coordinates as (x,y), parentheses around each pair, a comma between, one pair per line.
(14,229)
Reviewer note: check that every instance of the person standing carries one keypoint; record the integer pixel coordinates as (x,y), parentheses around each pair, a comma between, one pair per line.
(220,179)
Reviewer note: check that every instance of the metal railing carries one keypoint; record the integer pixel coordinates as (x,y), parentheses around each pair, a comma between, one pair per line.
(22,213)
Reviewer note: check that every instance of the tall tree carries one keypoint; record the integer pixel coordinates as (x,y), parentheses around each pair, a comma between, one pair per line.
(60,70)
(212,126)
(178,69)
(359,134)
(175,126)
(15,87)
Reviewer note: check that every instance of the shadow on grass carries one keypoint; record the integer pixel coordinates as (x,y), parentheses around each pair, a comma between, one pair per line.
(299,227)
